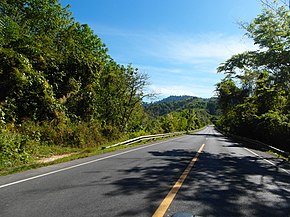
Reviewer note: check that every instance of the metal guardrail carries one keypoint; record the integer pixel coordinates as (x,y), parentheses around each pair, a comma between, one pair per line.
(142,138)
(274,149)
(252,141)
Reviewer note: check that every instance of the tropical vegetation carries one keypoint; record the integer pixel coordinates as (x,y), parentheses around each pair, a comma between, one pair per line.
(254,95)
(60,89)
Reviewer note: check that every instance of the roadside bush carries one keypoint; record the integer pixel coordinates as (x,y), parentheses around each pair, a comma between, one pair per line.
(14,148)
(88,134)
(64,133)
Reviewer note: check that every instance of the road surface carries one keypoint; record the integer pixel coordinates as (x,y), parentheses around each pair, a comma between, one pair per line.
(226,179)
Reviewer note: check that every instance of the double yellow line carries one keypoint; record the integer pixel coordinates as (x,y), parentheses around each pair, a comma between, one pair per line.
(161,210)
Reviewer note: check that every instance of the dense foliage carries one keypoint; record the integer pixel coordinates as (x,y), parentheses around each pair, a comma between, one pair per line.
(254,95)
(59,86)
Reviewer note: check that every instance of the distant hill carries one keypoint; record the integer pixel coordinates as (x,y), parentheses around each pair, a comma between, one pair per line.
(174,99)
(180,103)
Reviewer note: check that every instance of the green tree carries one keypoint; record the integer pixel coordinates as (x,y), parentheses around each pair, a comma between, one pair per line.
(261,103)
(229,94)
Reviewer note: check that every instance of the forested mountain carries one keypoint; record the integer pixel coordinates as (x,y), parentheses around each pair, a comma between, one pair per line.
(174,98)
(180,103)
(254,95)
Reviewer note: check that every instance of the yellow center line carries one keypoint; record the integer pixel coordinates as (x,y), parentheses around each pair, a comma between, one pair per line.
(161,210)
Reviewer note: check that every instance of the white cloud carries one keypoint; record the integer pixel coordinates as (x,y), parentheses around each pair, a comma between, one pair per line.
(177,64)
(179,90)
(198,49)
(178,48)
(160,69)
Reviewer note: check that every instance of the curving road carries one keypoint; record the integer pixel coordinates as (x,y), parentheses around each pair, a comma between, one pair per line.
(226,179)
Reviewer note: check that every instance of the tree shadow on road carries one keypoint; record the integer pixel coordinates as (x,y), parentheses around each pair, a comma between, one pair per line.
(218,185)
(228,185)
(152,182)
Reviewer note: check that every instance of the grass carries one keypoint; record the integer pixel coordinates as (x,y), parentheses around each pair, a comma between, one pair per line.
(76,153)
(279,155)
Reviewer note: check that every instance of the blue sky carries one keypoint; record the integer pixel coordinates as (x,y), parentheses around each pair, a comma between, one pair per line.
(178,43)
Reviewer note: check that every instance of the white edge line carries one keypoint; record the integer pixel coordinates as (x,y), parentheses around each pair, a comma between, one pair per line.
(82,164)
(254,153)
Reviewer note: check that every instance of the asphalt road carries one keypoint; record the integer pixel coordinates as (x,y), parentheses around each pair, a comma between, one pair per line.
(227,180)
